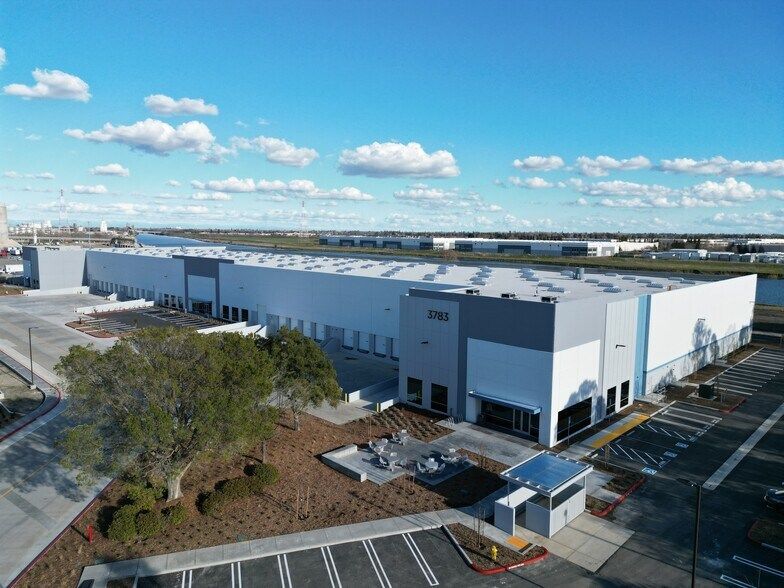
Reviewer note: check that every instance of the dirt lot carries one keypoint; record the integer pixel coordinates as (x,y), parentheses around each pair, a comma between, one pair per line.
(334,499)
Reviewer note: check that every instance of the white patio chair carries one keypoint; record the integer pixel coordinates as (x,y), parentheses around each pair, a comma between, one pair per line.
(420,468)
(383,462)
(439,469)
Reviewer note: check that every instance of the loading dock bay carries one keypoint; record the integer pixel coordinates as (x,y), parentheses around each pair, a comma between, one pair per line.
(650,446)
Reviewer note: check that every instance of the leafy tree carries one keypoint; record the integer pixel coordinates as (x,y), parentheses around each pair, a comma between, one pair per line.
(304,376)
(162,398)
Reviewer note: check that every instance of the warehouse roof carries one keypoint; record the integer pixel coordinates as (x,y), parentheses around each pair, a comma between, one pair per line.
(522,283)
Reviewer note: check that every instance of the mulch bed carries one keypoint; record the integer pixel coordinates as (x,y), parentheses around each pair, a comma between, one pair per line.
(87,330)
(594,504)
(479,551)
(334,500)
(768,532)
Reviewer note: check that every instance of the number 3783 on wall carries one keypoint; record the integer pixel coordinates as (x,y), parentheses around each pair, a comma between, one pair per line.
(438,315)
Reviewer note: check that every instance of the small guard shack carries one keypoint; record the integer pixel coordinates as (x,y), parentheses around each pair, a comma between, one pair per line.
(544,493)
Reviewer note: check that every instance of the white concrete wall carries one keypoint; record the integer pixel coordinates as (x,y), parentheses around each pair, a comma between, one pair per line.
(620,344)
(156,274)
(576,373)
(690,327)
(433,362)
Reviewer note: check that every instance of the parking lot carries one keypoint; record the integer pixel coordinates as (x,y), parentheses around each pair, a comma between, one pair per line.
(127,321)
(419,559)
(652,445)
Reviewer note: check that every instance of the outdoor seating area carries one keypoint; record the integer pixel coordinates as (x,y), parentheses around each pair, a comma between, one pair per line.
(385,459)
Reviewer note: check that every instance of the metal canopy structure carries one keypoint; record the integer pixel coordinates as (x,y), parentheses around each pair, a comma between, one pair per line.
(546,473)
(530,408)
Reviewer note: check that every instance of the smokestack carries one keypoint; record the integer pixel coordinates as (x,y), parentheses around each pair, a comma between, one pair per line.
(5,241)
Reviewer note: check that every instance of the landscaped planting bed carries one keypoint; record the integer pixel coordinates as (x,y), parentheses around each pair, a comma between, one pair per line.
(332,499)
(478,549)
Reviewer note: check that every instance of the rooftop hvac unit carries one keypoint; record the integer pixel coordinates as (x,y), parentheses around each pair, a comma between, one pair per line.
(552,299)
(591,281)
(644,281)
(655,285)
(569,273)
(579,273)
(632,278)
(606,284)
(472,291)
(508,295)
(613,290)
(692,282)
(546,284)
(610,274)
(532,279)
(557,289)
(675,279)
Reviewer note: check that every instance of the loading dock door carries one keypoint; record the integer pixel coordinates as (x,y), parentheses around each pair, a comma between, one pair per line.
(395,348)
(348,338)
(364,342)
(307,329)
(320,332)
(381,346)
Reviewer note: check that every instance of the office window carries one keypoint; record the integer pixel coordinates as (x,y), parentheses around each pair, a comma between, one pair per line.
(625,393)
(610,401)
(225,312)
(439,397)
(498,415)
(573,418)
(414,392)
(244,314)
(235,314)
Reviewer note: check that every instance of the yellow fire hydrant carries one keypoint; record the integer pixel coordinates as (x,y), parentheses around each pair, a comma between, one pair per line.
(494,552)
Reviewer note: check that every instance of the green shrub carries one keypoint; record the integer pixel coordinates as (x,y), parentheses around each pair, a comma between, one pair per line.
(149,523)
(141,496)
(123,525)
(235,488)
(213,503)
(266,473)
(177,514)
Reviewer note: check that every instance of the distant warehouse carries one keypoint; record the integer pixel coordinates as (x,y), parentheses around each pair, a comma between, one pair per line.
(541,354)
(480,245)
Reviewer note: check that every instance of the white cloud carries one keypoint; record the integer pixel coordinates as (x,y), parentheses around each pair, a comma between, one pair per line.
(53,84)
(277,150)
(231,184)
(32,137)
(239,123)
(152,136)
(168,106)
(2,58)
(217,154)
(110,169)
(291,189)
(603,165)
(168,196)
(534,183)
(96,189)
(721,166)
(428,197)
(539,163)
(39,176)
(754,221)
(216,196)
(173,183)
(263,122)
(397,160)
(621,188)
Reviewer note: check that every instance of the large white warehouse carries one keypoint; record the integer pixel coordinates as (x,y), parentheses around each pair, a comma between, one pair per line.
(538,353)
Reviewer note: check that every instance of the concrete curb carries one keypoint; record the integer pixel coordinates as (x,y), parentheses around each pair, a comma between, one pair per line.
(496,570)
(761,543)
(58,396)
(611,507)
(734,407)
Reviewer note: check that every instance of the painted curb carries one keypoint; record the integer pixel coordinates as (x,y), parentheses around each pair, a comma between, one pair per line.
(491,571)
(760,543)
(611,507)
(36,417)
(734,407)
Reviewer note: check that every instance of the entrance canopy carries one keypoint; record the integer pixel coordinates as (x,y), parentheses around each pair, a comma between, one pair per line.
(505,402)
(547,473)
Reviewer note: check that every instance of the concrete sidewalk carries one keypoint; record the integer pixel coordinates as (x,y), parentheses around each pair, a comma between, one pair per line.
(609,433)
(257,548)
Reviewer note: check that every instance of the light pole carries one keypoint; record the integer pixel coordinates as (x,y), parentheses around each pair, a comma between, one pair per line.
(30,343)
(696,528)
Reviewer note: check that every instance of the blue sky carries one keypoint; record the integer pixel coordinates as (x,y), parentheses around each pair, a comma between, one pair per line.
(427,116)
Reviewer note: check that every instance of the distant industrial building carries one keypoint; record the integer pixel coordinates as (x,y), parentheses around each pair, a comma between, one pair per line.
(480,245)
(5,240)
(682,254)
(541,354)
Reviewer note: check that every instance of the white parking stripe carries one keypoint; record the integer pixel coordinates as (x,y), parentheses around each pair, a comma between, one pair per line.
(694,412)
(329,568)
(375,567)
(686,418)
(334,567)
(332,570)
(232,575)
(677,424)
(735,582)
(420,559)
(239,576)
(736,391)
(758,566)
(283,563)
